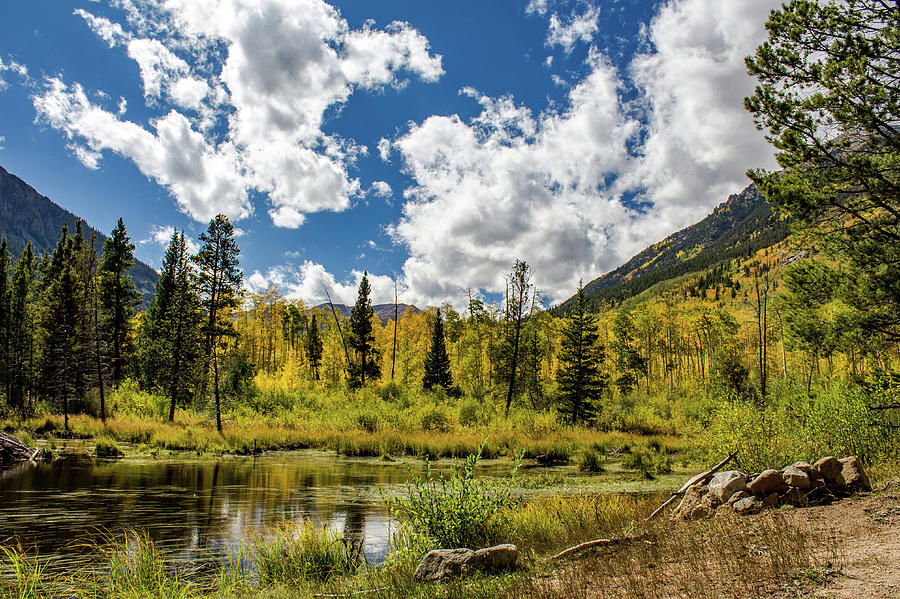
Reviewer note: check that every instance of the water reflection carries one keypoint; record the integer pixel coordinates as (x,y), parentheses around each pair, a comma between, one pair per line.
(196,509)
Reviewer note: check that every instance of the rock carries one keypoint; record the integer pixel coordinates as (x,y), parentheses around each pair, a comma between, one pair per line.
(829,468)
(493,559)
(854,475)
(439,564)
(804,466)
(737,497)
(768,481)
(747,506)
(795,497)
(725,484)
(695,504)
(795,477)
(771,501)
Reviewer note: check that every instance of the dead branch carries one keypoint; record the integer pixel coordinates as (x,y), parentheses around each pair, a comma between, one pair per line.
(693,481)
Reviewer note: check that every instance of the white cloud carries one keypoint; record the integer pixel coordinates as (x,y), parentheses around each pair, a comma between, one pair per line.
(536,7)
(384,149)
(310,281)
(161,235)
(267,72)
(561,189)
(381,189)
(567,31)
(12,67)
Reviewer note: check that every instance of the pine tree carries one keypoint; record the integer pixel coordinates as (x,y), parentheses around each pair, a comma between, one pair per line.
(437,363)
(4,318)
(118,296)
(219,280)
(22,329)
(362,339)
(581,383)
(314,347)
(61,295)
(170,338)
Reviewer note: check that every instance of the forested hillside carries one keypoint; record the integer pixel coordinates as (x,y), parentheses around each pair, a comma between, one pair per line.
(737,228)
(26,215)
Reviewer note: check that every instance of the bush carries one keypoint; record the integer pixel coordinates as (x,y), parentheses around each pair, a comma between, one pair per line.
(106,447)
(648,462)
(456,511)
(435,419)
(589,460)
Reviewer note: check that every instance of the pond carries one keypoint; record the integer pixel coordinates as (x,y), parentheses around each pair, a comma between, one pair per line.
(197,509)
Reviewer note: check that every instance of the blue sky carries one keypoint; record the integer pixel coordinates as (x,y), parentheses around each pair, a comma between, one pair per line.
(432,142)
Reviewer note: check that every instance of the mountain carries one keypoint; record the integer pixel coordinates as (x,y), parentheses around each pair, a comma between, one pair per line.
(26,215)
(384,312)
(737,228)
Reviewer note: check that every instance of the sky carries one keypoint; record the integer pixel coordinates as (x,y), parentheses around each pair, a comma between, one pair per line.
(431,143)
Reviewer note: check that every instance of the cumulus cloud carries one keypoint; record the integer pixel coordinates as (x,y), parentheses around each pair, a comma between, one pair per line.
(266,72)
(310,281)
(568,30)
(161,235)
(381,189)
(578,191)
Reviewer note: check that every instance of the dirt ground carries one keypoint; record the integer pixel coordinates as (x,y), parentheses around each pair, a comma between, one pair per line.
(868,530)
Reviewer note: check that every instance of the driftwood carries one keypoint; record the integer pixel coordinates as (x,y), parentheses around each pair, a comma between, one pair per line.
(693,481)
(12,451)
(597,543)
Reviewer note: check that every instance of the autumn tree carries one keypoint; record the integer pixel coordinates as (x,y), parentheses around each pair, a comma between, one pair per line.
(219,281)
(580,380)
(437,362)
(361,339)
(314,347)
(518,306)
(118,296)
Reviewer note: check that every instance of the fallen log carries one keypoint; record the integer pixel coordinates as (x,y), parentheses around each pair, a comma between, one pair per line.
(693,481)
(12,450)
(597,543)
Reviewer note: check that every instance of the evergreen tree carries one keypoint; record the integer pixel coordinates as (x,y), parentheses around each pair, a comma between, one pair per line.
(361,339)
(581,383)
(61,295)
(219,281)
(118,296)
(437,363)
(22,329)
(314,347)
(829,96)
(171,341)
(4,318)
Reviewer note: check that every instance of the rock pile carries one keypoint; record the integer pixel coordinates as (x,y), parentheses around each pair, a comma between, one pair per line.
(798,485)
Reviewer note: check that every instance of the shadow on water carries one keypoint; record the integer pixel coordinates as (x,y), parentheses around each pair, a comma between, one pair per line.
(196,509)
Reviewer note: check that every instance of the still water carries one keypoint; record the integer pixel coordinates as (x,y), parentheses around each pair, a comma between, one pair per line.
(197,509)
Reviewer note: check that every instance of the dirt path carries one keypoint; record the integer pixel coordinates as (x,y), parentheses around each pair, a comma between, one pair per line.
(869,530)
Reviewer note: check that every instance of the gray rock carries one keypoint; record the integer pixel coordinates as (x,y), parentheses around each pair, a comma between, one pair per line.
(854,475)
(439,564)
(725,484)
(829,468)
(695,504)
(747,506)
(737,497)
(493,559)
(768,481)
(795,477)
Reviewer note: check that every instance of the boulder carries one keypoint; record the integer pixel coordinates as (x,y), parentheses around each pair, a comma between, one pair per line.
(439,564)
(804,466)
(854,475)
(725,484)
(795,497)
(768,481)
(771,501)
(795,477)
(737,497)
(493,559)
(695,504)
(829,468)
(747,506)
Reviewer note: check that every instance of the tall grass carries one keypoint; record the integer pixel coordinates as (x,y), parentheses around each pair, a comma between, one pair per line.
(27,580)
(295,553)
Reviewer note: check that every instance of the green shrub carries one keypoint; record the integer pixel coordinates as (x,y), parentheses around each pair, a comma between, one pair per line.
(648,462)
(458,510)
(435,419)
(106,447)
(291,553)
(590,460)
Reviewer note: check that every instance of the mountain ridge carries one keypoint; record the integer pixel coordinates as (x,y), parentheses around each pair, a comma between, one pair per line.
(26,215)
